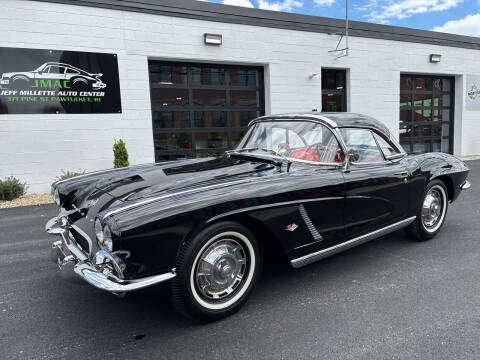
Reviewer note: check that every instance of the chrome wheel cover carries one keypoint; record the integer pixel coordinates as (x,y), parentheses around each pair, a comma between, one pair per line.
(220,269)
(433,208)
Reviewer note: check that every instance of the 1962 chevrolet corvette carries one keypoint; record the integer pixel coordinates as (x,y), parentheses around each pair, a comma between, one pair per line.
(315,184)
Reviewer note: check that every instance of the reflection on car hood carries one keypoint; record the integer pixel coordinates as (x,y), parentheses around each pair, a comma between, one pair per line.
(144,181)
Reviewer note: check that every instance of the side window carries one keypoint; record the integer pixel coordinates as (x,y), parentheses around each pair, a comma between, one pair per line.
(56,69)
(386,147)
(72,71)
(362,141)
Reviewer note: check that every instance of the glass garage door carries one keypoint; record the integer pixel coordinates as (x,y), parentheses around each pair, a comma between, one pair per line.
(202,109)
(426,113)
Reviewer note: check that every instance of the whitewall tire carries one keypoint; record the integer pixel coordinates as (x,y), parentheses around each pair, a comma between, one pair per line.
(216,271)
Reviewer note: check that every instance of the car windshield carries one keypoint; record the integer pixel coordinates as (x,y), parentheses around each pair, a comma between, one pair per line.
(296,140)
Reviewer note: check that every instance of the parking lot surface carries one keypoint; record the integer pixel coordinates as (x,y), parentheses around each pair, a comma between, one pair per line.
(391,298)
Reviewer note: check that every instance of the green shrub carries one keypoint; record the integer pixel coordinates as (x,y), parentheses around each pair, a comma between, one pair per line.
(120,154)
(69,174)
(11,188)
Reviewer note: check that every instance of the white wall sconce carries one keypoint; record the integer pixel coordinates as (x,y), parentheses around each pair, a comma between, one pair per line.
(435,58)
(213,39)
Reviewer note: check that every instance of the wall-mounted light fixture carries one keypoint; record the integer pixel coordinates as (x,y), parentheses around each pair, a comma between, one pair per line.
(213,39)
(435,58)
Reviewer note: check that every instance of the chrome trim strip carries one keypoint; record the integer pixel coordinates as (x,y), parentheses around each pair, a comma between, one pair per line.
(466,185)
(313,230)
(144,202)
(102,282)
(310,258)
(320,119)
(260,207)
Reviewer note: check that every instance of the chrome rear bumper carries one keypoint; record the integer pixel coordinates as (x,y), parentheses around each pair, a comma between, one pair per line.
(104,272)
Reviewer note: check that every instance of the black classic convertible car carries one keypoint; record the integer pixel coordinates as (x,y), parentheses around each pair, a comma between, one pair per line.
(314,184)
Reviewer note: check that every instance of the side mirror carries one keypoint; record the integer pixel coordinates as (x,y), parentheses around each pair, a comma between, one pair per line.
(40,72)
(353,155)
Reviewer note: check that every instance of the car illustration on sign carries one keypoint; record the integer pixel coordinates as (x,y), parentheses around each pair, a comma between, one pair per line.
(53,75)
(332,180)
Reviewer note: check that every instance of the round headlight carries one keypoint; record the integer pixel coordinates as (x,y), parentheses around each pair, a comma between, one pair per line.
(99,231)
(107,238)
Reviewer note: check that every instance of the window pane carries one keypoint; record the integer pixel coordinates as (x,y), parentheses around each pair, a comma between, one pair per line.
(423,115)
(422,100)
(424,84)
(208,76)
(243,98)
(171,119)
(243,77)
(209,97)
(423,130)
(441,100)
(168,74)
(237,137)
(445,145)
(170,97)
(171,157)
(437,129)
(441,115)
(387,148)
(405,100)
(405,83)
(436,145)
(446,85)
(332,103)
(406,147)
(211,140)
(421,147)
(333,79)
(362,141)
(405,131)
(172,141)
(210,118)
(242,118)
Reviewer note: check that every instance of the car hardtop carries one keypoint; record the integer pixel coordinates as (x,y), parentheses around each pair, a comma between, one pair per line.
(62,64)
(331,119)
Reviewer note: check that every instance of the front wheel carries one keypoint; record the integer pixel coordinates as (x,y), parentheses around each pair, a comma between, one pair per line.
(432,212)
(216,271)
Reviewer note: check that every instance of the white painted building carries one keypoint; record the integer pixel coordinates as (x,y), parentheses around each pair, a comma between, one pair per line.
(197,97)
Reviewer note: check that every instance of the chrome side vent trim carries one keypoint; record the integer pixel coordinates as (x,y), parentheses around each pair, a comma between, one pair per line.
(313,230)
(310,258)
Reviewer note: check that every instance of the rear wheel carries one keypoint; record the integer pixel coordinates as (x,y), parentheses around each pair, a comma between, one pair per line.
(216,272)
(431,214)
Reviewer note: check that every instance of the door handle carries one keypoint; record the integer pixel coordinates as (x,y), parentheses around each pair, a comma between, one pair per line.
(402,174)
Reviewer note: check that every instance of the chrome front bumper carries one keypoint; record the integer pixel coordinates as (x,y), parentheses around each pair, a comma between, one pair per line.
(104,272)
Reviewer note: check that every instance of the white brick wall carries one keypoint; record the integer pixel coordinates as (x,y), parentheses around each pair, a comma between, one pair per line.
(35,147)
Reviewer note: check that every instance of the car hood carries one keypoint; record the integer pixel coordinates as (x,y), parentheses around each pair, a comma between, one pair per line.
(141,182)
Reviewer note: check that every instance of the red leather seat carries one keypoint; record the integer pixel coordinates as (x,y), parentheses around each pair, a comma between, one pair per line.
(305,154)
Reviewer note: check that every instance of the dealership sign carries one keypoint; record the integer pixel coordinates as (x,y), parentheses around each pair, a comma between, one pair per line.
(473,92)
(34,81)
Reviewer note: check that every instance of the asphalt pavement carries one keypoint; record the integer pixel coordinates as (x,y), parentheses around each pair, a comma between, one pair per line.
(391,298)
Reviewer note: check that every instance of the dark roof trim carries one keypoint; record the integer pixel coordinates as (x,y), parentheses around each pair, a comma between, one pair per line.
(247,16)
